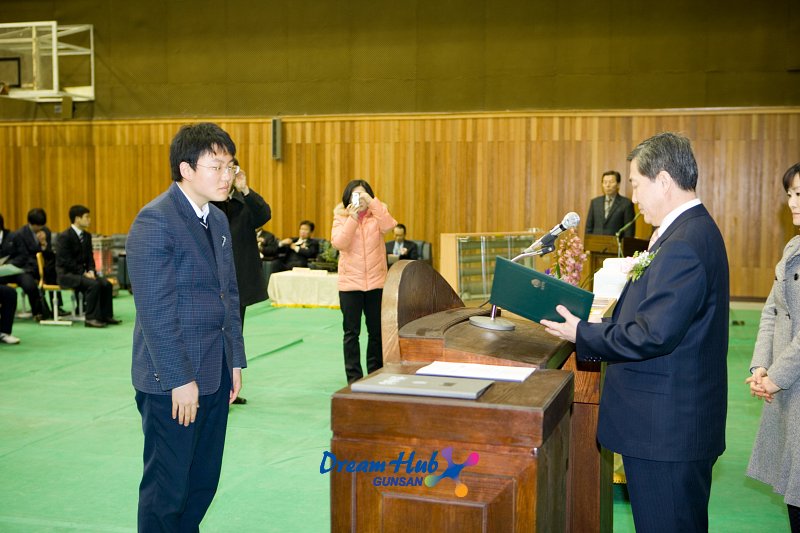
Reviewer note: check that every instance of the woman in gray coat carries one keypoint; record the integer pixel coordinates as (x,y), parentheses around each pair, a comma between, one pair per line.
(775,370)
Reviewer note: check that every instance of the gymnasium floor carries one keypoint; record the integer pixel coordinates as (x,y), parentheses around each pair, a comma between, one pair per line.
(71,442)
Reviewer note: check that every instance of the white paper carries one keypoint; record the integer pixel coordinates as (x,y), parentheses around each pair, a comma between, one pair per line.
(475,370)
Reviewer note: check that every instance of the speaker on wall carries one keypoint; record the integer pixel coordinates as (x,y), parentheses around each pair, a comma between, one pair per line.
(277,138)
(67,108)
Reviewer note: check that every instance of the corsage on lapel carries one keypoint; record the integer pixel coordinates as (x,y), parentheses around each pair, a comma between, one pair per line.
(635,266)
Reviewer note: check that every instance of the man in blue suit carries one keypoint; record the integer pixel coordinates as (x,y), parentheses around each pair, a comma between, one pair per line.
(664,399)
(188,351)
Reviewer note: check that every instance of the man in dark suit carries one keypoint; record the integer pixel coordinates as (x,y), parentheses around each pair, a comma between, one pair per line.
(610,212)
(26,242)
(298,251)
(664,398)
(5,239)
(400,248)
(246,211)
(76,269)
(188,351)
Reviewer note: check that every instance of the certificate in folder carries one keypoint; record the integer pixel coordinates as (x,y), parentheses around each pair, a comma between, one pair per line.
(535,295)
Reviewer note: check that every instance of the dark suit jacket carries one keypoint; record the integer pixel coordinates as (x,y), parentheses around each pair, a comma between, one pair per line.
(25,246)
(301,258)
(245,215)
(73,258)
(6,243)
(187,301)
(621,213)
(665,391)
(411,249)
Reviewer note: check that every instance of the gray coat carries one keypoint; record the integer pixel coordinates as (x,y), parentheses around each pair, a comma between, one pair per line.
(776,452)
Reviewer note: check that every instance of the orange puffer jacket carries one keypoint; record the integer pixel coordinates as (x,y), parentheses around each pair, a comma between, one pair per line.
(362,252)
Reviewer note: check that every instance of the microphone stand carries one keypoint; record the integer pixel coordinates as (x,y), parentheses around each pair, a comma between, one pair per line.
(623,228)
(494,322)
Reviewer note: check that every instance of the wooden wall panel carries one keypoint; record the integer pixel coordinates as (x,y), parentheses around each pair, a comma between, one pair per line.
(439,173)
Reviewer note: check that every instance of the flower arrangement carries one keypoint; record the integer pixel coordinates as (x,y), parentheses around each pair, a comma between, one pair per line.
(635,266)
(569,258)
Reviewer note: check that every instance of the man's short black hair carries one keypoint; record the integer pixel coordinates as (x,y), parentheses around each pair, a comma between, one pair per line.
(77,211)
(671,152)
(402,227)
(307,223)
(195,140)
(37,216)
(612,173)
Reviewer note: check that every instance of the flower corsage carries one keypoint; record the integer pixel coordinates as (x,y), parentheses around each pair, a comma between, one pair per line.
(635,266)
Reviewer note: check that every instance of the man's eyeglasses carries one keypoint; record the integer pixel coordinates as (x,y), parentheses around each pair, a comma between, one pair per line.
(219,169)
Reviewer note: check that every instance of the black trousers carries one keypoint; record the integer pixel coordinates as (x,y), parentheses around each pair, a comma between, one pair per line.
(353,304)
(8,306)
(30,286)
(669,496)
(182,464)
(794,518)
(98,298)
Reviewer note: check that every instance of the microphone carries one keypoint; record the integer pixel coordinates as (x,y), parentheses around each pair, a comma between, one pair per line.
(571,220)
(628,225)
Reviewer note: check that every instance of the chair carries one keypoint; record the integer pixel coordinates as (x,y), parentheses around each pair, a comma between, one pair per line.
(45,289)
(424,250)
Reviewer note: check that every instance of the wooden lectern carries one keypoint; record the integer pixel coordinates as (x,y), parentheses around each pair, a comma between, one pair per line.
(605,246)
(601,247)
(513,440)
(423,320)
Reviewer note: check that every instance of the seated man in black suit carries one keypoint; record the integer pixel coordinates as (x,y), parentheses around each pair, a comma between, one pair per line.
(610,212)
(400,248)
(5,239)
(301,249)
(76,269)
(25,243)
(267,245)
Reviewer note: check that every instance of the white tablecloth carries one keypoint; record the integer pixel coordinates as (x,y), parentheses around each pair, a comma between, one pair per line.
(305,288)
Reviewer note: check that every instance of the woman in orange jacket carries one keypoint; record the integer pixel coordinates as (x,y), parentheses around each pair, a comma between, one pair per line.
(357,233)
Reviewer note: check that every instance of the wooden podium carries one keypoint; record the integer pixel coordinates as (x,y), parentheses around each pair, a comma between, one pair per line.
(517,432)
(605,246)
(423,320)
(600,247)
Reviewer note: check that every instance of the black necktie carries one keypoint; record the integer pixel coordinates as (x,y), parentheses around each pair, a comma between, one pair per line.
(208,232)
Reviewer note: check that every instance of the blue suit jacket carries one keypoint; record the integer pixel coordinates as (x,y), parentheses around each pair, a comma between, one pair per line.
(665,392)
(187,301)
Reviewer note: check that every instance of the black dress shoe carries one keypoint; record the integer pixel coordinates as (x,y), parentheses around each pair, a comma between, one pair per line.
(91,323)
(240,400)
(112,321)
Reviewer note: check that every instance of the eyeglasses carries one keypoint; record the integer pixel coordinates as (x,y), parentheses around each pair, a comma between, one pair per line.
(219,169)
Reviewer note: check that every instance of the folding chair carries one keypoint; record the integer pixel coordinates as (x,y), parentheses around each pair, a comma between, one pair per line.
(48,289)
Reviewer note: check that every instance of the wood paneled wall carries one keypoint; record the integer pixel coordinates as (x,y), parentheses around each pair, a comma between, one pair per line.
(438,173)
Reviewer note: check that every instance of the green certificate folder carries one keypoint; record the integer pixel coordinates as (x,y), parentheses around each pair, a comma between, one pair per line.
(535,295)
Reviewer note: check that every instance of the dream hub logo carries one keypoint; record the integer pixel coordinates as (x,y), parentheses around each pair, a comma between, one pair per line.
(453,471)
(403,470)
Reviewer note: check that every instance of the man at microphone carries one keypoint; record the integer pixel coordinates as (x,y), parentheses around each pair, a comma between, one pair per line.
(610,212)
(664,399)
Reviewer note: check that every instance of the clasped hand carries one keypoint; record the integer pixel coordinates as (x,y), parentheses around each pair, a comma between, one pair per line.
(761,386)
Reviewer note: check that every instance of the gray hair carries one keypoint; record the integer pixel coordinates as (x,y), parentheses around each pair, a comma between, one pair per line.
(670,152)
